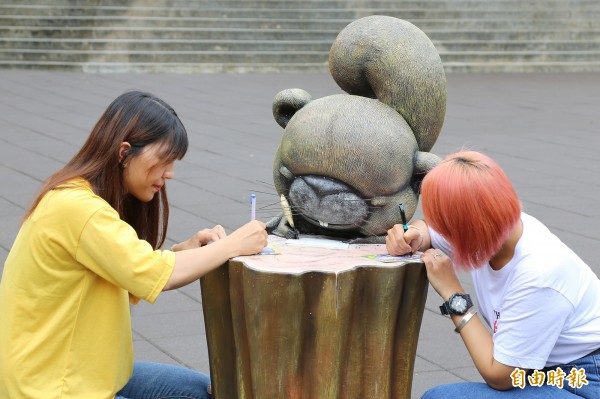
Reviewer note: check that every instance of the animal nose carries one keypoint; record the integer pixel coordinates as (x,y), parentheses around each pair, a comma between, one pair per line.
(328,202)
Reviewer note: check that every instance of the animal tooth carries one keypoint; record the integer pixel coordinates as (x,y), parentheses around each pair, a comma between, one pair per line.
(323,224)
(287,211)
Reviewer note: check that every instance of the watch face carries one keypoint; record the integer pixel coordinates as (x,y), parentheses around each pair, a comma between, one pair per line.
(458,304)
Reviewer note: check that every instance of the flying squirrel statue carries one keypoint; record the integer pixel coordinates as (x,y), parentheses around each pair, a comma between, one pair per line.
(346,161)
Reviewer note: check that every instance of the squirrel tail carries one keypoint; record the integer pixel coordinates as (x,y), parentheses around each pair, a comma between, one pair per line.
(394,61)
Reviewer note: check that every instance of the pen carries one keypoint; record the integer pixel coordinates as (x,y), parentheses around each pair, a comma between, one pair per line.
(403,216)
(252,206)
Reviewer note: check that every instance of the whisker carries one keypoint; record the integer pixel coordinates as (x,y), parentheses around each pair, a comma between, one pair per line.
(276,208)
(357,199)
(266,183)
(278,205)
(276,212)
(371,233)
(271,206)
(264,192)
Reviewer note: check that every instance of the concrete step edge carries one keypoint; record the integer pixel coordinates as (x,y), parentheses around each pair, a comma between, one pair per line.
(248,41)
(193,29)
(282,52)
(282,3)
(287,67)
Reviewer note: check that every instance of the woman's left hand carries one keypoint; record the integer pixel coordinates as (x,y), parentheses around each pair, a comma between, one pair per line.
(441,273)
(201,238)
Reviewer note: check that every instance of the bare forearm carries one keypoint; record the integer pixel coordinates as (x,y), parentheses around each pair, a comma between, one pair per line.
(480,346)
(192,264)
(478,340)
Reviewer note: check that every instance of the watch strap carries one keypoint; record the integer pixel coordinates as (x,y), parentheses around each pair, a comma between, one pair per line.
(445,307)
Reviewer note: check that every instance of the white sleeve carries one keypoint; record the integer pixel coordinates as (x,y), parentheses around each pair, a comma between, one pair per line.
(438,242)
(531,319)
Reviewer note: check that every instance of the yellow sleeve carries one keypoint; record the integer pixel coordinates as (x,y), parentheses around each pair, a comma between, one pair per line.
(110,248)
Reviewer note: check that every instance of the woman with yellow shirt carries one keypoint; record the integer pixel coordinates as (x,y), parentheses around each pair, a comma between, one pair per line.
(88,247)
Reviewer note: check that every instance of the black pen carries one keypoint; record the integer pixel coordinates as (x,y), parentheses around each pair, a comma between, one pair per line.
(403,216)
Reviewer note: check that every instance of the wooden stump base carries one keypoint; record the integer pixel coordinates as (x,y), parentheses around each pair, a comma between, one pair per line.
(313,323)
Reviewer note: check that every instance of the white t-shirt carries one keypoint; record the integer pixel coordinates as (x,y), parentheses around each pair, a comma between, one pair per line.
(543,306)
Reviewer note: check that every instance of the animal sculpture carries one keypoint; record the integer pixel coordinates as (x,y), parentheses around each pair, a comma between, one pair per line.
(346,161)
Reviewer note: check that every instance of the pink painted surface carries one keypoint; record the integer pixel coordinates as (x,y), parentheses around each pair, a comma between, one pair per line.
(316,254)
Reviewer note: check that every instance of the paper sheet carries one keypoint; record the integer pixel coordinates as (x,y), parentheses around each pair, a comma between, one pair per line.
(386,258)
(318,242)
(269,250)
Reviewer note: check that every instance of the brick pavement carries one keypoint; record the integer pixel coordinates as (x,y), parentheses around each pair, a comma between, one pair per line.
(544,129)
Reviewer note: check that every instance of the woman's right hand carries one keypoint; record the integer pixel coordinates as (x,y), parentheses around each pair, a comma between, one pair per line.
(400,242)
(191,265)
(249,239)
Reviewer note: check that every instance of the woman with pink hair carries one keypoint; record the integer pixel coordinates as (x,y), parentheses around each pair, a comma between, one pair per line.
(540,301)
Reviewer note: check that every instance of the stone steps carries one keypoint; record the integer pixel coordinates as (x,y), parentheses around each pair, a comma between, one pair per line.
(177,67)
(137,33)
(218,56)
(153,45)
(157,23)
(309,4)
(286,35)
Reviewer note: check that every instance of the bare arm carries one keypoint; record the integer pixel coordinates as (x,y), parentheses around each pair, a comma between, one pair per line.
(476,337)
(191,264)
(480,346)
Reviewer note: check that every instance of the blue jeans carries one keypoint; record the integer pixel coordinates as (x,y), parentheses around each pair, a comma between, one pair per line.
(158,381)
(478,390)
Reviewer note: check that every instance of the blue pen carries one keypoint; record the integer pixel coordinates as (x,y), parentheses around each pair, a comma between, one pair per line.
(403,216)
(252,206)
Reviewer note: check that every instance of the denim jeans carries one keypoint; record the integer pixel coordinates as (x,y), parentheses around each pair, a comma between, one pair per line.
(161,381)
(478,390)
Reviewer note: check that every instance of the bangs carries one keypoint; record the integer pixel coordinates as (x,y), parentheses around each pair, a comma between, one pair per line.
(175,145)
(166,123)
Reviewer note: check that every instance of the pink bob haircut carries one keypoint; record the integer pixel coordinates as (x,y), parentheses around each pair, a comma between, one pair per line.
(470,201)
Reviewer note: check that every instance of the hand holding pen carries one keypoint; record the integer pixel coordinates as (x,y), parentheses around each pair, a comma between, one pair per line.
(256,224)
(398,240)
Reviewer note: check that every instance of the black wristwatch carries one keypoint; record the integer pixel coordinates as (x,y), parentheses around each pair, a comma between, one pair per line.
(457,304)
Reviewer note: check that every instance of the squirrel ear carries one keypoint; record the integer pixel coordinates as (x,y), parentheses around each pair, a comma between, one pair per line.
(287,103)
(424,162)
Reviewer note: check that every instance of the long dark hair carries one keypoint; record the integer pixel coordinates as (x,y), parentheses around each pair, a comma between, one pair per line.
(140,119)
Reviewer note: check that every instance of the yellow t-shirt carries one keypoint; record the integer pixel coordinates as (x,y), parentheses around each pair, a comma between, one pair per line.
(65,326)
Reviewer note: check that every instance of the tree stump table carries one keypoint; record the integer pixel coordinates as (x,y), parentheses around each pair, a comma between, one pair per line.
(313,322)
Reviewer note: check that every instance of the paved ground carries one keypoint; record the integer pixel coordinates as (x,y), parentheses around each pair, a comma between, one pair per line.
(544,129)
